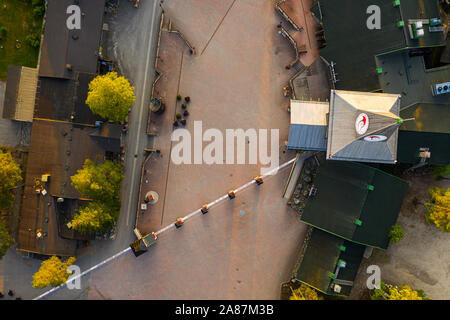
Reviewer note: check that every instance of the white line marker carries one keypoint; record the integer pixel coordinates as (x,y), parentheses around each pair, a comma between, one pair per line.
(211,204)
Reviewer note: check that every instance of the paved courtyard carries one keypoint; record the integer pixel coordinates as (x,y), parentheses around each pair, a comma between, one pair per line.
(242,249)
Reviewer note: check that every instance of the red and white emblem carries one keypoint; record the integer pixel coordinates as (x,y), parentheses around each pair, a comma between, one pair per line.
(362,123)
(375,138)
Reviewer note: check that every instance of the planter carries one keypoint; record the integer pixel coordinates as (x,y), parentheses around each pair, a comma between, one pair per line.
(156,106)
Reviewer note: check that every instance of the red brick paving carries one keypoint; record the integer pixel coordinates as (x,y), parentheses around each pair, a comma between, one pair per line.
(235,83)
(299,12)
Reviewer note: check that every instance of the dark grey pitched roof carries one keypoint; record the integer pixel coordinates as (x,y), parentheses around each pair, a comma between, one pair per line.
(11,91)
(60,99)
(62,46)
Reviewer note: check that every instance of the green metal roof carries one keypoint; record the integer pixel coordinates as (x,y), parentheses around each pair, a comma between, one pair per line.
(320,261)
(352,46)
(407,76)
(344,196)
(410,142)
(421,10)
(428,117)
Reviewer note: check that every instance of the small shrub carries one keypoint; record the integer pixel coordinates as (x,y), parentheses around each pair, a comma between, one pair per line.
(178,116)
(396,233)
(33,40)
(441,171)
(184,106)
(187,99)
(178,97)
(3,32)
(38,11)
(185,113)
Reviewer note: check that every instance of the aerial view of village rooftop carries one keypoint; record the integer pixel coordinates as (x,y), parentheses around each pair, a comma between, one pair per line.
(236,150)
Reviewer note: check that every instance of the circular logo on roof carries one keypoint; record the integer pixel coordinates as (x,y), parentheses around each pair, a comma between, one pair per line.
(362,123)
(375,138)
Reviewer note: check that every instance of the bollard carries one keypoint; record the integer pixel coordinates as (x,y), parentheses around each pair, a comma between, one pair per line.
(259,180)
(204,209)
(179,223)
(231,194)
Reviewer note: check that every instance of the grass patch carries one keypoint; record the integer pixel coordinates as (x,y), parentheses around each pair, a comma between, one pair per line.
(21,21)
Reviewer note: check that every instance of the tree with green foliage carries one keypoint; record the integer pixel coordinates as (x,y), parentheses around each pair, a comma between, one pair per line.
(3,32)
(399,292)
(101,183)
(52,272)
(110,96)
(441,171)
(5,240)
(438,209)
(396,233)
(10,175)
(33,39)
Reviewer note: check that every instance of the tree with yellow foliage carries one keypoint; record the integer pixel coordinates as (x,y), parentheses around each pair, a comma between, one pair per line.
(52,272)
(92,218)
(5,240)
(110,96)
(10,175)
(101,183)
(304,292)
(400,292)
(438,209)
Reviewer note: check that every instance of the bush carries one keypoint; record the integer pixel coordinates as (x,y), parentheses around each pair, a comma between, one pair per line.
(38,11)
(3,32)
(34,40)
(304,292)
(400,292)
(396,233)
(438,209)
(441,171)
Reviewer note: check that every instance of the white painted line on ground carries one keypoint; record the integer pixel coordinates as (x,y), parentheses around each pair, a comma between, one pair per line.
(83,273)
(211,204)
(133,173)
